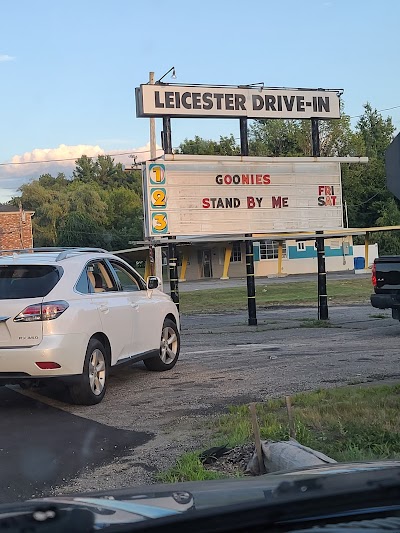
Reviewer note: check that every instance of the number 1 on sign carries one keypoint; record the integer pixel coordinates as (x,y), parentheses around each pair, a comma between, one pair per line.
(157,174)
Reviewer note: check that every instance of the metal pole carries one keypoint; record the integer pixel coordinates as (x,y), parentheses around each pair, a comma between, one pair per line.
(251,286)
(316,151)
(172,253)
(320,242)
(322,295)
(153,146)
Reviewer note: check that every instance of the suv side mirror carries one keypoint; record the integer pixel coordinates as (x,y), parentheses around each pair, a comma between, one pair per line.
(152,282)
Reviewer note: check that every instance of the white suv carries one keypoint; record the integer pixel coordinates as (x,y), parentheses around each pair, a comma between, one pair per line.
(74,313)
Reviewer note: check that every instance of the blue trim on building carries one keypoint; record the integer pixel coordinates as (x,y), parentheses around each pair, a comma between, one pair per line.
(310,252)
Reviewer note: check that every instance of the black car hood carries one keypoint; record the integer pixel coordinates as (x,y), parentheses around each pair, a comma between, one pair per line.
(138,504)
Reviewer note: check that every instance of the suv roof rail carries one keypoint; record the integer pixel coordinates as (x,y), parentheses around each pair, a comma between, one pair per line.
(64,252)
(69,251)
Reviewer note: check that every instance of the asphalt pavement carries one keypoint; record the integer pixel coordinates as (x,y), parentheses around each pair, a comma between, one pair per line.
(148,419)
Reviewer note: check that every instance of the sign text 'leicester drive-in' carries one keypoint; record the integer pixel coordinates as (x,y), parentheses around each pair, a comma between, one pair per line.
(230,102)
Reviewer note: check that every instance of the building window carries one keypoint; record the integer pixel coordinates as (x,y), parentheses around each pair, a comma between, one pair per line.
(269,249)
(301,246)
(236,255)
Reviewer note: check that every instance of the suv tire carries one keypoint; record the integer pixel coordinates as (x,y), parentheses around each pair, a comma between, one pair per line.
(90,387)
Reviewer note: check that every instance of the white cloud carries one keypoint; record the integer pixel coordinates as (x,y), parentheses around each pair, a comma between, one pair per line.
(30,165)
(6,57)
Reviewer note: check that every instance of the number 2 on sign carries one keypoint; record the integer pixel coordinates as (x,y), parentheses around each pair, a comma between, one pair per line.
(158,198)
(160,222)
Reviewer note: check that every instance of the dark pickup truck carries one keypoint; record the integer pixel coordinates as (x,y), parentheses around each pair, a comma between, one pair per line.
(386,282)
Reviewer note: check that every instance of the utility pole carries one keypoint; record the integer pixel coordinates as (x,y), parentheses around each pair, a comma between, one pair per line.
(155,252)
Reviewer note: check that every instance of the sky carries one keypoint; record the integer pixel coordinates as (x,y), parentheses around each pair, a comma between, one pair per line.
(68,69)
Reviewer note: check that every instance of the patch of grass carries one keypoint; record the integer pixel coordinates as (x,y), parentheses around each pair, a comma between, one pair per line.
(348,423)
(291,293)
(188,468)
(312,323)
(378,315)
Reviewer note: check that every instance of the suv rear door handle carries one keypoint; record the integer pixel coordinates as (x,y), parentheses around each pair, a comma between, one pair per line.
(135,306)
(104,308)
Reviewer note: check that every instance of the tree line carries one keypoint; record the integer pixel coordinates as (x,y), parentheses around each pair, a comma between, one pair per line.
(100,204)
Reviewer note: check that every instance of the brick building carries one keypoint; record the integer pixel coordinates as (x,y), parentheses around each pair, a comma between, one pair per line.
(15,228)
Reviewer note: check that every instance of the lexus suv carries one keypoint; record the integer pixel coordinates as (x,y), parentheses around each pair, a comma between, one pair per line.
(72,314)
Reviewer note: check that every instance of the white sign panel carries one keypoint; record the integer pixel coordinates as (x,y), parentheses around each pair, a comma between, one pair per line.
(229,102)
(216,196)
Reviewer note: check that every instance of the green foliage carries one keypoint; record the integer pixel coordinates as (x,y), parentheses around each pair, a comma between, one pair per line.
(100,206)
(188,468)
(199,146)
(347,423)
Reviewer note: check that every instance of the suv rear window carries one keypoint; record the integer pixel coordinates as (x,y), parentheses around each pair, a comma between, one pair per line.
(27,281)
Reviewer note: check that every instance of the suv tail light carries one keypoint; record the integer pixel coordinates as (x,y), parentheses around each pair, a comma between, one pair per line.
(374,274)
(44,311)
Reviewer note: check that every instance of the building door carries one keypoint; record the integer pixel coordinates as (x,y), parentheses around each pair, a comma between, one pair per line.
(207,264)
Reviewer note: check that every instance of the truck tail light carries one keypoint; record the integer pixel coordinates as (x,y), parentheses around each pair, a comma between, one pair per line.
(374,274)
(40,312)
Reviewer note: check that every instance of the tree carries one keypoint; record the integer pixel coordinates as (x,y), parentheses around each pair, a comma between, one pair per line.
(200,146)
(364,186)
(81,228)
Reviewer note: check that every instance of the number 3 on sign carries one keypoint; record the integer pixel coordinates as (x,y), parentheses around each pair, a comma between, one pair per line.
(157,174)
(160,222)
(158,198)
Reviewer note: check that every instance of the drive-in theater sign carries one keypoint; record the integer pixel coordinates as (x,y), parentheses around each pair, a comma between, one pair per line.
(231,102)
(186,196)
(195,195)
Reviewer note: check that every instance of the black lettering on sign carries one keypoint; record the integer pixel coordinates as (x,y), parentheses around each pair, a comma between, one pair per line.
(236,202)
(276,202)
(158,102)
(207,99)
(218,179)
(218,98)
(279,98)
(321,200)
(289,102)
(285,202)
(270,103)
(240,100)
(257,102)
(177,100)
(169,99)
(196,101)
(185,97)
(259,201)
(229,102)
(323,104)
(300,103)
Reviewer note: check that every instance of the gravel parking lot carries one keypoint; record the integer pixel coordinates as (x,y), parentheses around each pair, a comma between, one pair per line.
(223,362)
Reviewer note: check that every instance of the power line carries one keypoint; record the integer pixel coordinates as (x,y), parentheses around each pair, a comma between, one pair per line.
(71,158)
(378,110)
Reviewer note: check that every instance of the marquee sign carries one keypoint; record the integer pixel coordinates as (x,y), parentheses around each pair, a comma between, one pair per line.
(202,195)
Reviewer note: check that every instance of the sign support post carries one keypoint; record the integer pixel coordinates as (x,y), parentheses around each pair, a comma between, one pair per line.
(172,251)
(320,242)
(251,286)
